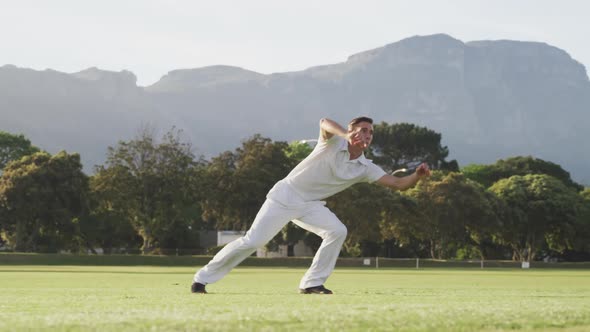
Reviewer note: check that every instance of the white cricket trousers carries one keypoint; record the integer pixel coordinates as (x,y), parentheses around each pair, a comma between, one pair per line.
(272,217)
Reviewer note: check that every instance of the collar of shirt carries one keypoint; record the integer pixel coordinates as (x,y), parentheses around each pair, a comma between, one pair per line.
(361,159)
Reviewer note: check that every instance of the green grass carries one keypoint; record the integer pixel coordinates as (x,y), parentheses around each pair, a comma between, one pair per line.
(83,298)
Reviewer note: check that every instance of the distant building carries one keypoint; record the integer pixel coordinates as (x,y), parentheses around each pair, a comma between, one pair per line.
(207,239)
(225,237)
(299,250)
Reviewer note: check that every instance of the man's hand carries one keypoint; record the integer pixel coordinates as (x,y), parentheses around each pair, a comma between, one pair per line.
(405,182)
(423,170)
(329,128)
(355,139)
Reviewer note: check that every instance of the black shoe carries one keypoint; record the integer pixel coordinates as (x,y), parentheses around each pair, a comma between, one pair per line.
(198,288)
(315,290)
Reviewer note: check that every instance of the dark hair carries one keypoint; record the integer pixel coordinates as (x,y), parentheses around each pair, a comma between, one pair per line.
(358,120)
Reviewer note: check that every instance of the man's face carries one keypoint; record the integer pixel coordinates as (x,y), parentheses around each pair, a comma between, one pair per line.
(362,134)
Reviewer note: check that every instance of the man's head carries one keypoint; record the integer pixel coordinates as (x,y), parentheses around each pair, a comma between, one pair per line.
(361,130)
(358,120)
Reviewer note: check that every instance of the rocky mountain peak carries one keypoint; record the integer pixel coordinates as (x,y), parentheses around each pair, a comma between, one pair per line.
(96,74)
(186,79)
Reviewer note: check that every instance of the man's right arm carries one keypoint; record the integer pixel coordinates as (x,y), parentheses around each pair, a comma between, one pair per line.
(405,182)
(329,128)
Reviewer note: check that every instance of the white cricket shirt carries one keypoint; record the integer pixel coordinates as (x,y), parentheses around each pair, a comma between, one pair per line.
(326,171)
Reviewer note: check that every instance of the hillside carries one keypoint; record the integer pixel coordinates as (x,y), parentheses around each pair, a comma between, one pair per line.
(489,99)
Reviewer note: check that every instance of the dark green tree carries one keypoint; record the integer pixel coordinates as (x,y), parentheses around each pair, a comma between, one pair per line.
(360,208)
(453,213)
(405,145)
(14,147)
(401,221)
(239,181)
(298,150)
(107,226)
(42,199)
(580,246)
(542,212)
(487,175)
(155,185)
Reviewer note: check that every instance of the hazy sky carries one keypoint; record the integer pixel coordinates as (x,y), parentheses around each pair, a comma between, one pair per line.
(150,37)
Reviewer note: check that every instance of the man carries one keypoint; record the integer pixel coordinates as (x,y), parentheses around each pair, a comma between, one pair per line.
(336,163)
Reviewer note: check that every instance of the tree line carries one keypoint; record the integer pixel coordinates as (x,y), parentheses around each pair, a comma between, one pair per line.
(155,195)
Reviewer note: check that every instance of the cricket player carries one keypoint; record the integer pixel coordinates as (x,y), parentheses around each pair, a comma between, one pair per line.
(336,163)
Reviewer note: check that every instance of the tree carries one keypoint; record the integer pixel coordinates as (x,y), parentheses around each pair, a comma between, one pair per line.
(542,211)
(42,199)
(14,147)
(155,185)
(107,226)
(360,208)
(487,175)
(580,247)
(237,182)
(400,223)
(298,150)
(406,145)
(453,212)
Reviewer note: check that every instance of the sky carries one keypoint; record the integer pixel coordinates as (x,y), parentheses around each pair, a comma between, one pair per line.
(151,38)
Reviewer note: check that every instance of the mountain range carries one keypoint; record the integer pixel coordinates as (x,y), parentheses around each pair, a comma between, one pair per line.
(489,99)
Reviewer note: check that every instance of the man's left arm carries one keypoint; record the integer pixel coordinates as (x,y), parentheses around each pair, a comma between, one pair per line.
(406,182)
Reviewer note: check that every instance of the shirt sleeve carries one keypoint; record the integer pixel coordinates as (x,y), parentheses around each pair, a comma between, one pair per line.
(332,142)
(320,138)
(374,173)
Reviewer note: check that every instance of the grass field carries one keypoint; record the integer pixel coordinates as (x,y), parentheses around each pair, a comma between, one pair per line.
(82,298)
